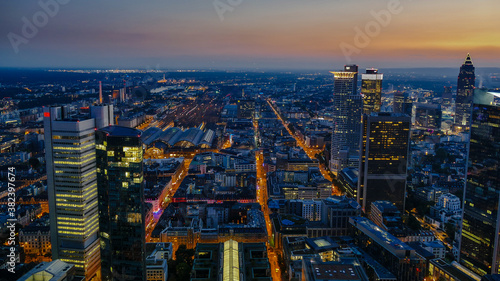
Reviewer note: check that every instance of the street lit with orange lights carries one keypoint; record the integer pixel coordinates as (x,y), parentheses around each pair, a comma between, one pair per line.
(311,152)
(262,199)
(176,182)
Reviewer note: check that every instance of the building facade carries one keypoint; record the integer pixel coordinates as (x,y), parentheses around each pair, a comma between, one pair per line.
(479,248)
(384,158)
(347,107)
(465,92)
(402,103)
(371,90)
(427,116)
(121,203)
(72,188)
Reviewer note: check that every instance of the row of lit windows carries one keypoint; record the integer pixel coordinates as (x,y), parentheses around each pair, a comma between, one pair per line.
(83,178)
(77,156)
(59,137)
(74,163)
(81,227)
(74,143)
(79,233)
(72,148)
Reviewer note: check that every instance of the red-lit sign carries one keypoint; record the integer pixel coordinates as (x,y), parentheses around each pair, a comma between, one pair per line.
(46,114)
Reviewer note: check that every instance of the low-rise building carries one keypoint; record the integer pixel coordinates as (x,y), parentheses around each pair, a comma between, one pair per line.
(56,270)
(318,270)
(231,261)
(399,258)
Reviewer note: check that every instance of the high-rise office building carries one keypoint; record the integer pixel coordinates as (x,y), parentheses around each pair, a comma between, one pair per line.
(121,203)
(480,243)
(371,90)
(72,187)
(427,116)
(465,91)
(447,97)
(402,103)
(347,107)
(384,155)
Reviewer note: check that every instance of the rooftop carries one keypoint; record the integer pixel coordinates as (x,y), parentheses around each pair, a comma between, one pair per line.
(385,239)
(120,131)
(452,270)
(320,271)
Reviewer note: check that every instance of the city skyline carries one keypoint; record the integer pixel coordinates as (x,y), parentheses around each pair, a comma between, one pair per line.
(249,140)
(246,34)
(244,159)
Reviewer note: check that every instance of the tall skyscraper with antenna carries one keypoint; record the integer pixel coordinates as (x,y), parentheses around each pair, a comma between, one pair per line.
(465,91)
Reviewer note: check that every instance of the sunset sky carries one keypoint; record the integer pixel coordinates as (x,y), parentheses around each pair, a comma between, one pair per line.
(268,34)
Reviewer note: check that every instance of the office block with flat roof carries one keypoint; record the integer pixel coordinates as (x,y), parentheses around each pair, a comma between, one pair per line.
(72,187)
(384,150)
(347,107)
(479,248)
(121,203)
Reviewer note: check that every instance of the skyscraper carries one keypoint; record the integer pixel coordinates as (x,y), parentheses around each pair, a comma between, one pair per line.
(72,187)
(465,91)
(347,107)
(447,96)
(121,203)
(479,245)
(384,156)
(402,103)
(371,90)
(427,116)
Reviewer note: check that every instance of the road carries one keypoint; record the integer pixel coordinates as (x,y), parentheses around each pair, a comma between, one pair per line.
(440,235)
(176,182)
(262,199)
(26,184)
(311,152)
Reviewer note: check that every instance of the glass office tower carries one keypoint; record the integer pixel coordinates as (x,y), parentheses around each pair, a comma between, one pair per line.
(371,90)
(122,231)
(347,107)
(384,150)
(479,244)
